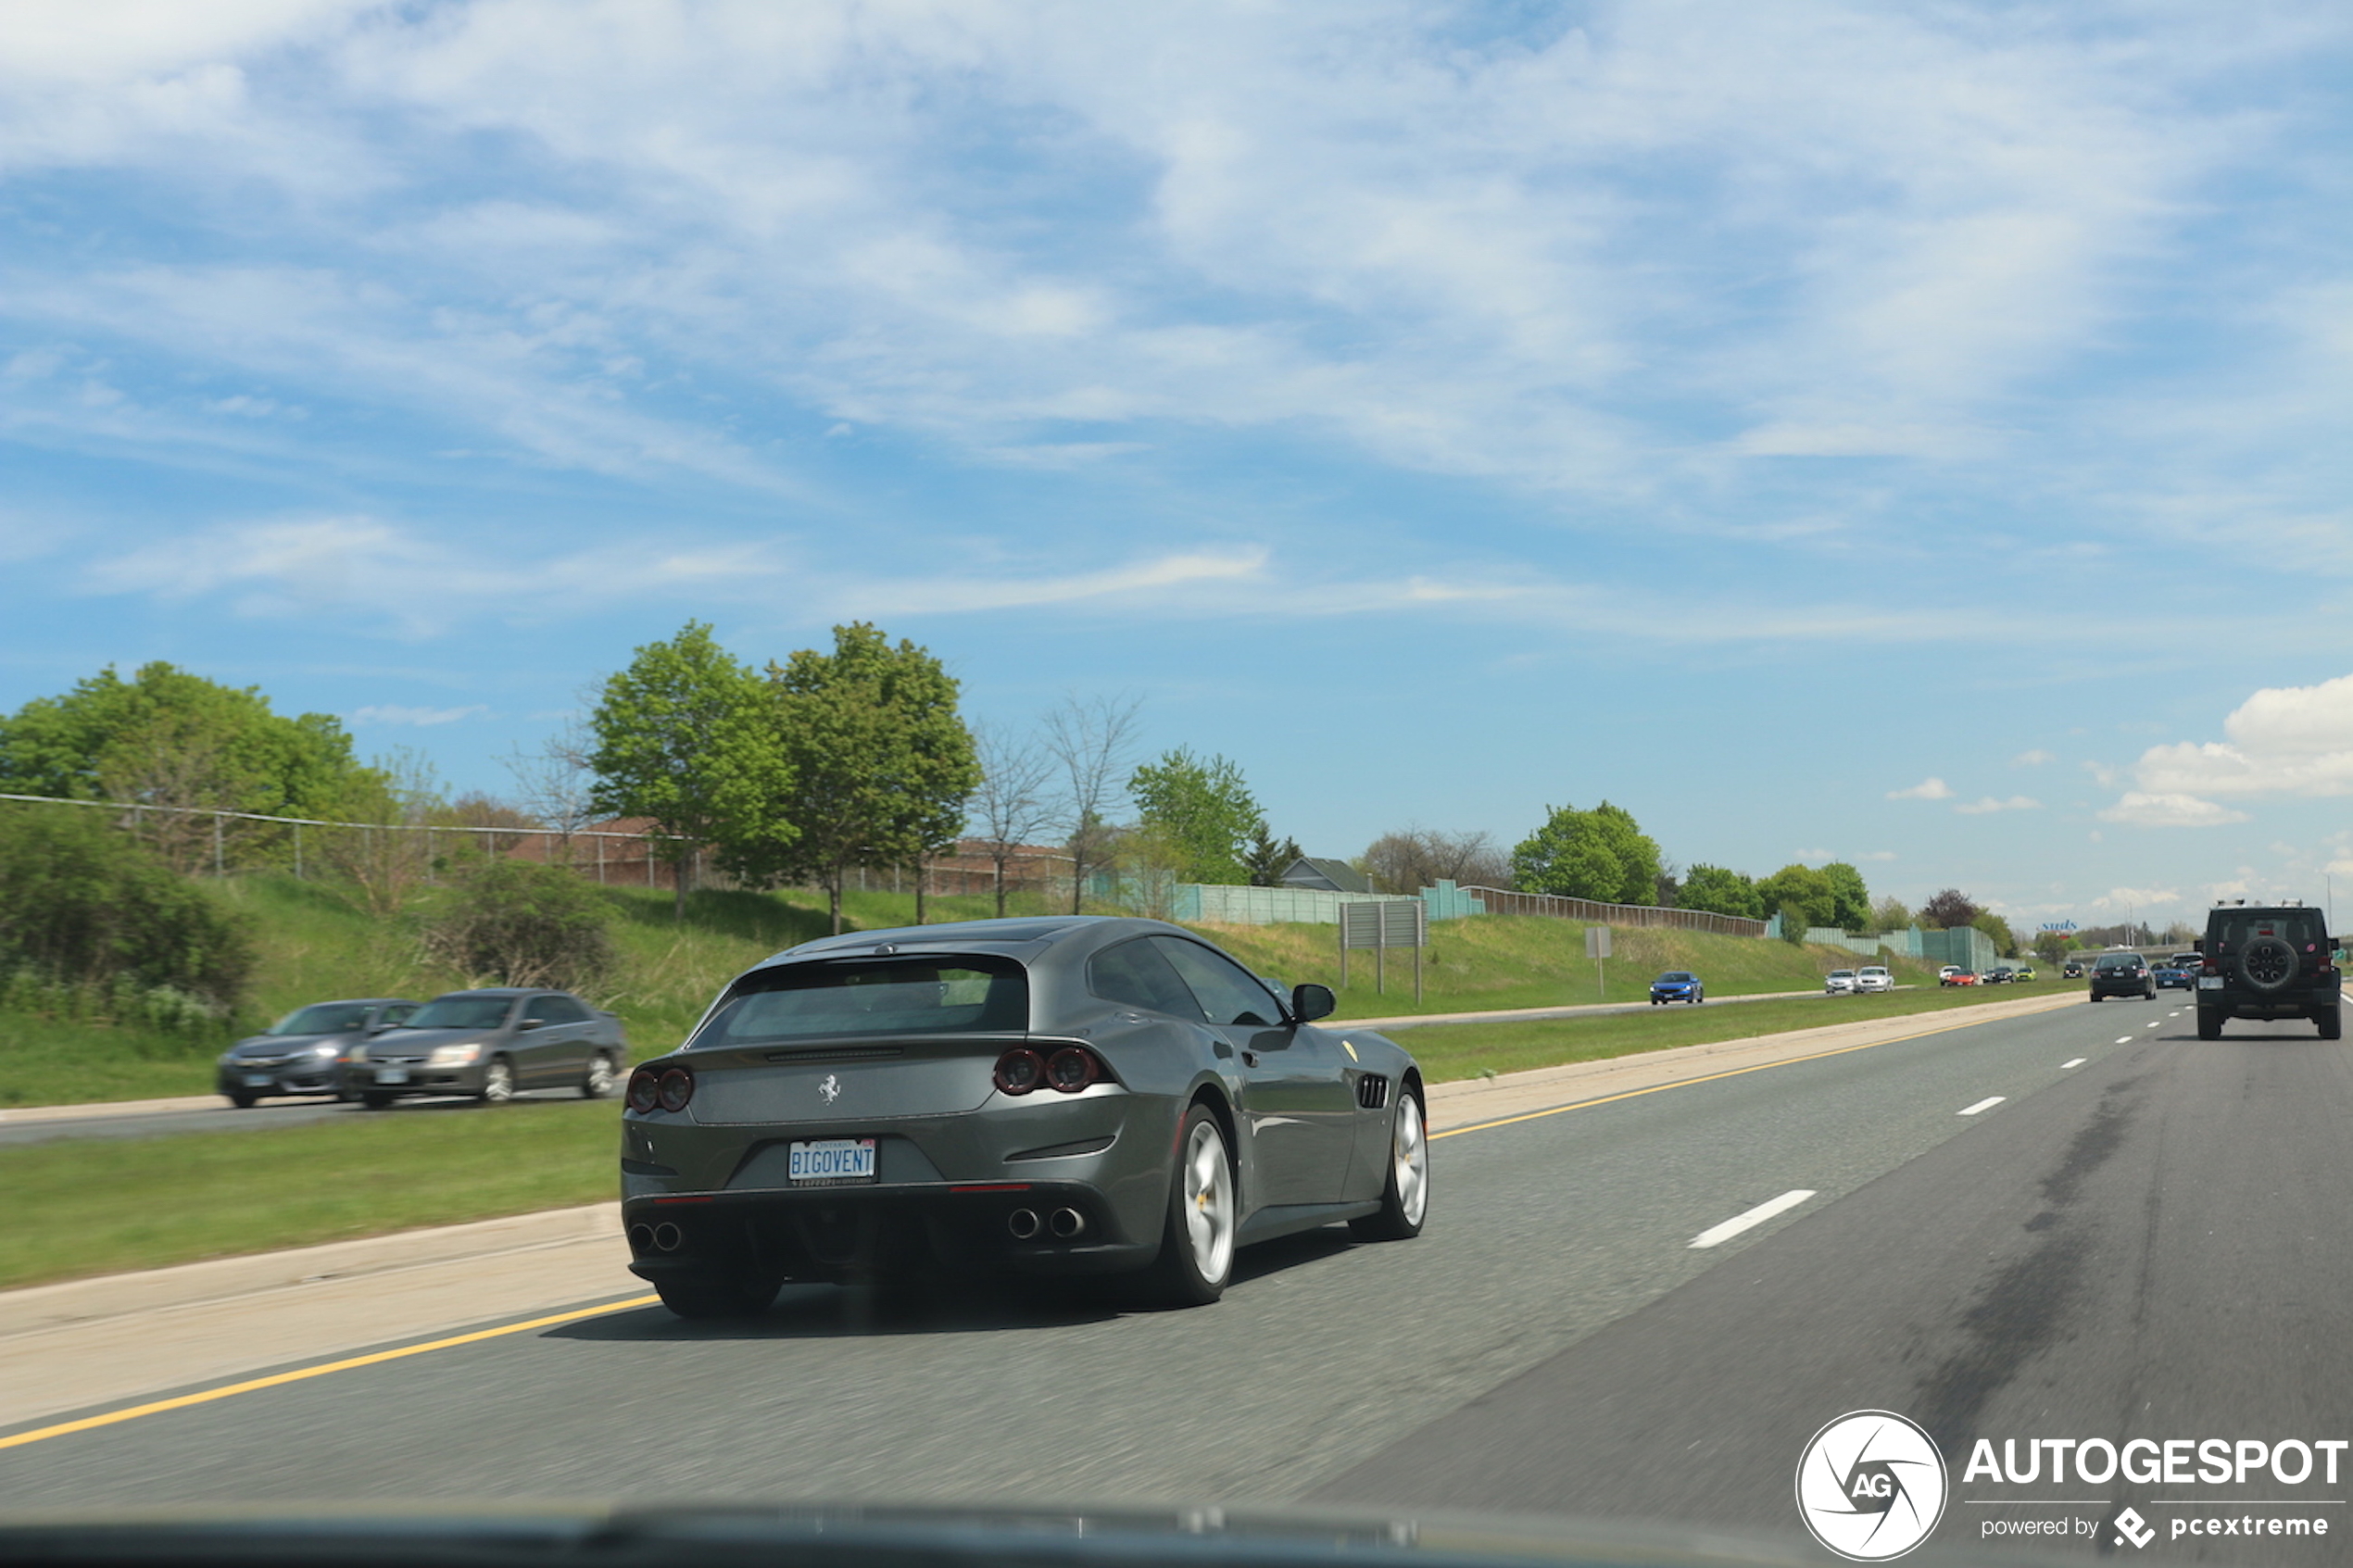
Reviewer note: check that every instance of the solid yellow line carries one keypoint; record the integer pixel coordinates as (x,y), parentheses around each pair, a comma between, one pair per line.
(278,1378)
(1712,1078)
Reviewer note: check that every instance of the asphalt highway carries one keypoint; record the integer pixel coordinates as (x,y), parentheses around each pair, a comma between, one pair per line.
(2082,1224)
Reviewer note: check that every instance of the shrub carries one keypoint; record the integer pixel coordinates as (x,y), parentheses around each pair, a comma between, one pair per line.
(84,906)
(512,922)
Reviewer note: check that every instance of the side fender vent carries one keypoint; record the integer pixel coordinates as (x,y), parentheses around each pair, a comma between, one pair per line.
(1372,1091)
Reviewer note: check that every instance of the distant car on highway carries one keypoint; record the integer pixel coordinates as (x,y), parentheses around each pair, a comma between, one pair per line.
(1874,977)
(2122,975)
(1677,986)
(1957,977)
(2000,974)
(306,1052)
(1839,982)
(2022,973)
(1051,1096)
(490,1044)
(2073,970)
(2172,975)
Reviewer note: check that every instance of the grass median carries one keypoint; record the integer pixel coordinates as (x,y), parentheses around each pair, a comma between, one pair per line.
(1447,1052)
(80,1208)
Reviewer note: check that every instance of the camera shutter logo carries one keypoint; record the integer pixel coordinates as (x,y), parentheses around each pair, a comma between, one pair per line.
(1870,1486)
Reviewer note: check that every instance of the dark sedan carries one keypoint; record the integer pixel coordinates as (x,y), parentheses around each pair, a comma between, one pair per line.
(489,1045)
(1061,1096)
(1677,986)
(2122,975)
(305,1053)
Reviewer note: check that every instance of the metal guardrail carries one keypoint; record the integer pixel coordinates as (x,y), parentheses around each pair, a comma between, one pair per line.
(1504,901)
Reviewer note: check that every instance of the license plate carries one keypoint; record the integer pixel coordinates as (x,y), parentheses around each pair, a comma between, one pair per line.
(257,1080)
(2209,982)
(830,1162)
(392,1075)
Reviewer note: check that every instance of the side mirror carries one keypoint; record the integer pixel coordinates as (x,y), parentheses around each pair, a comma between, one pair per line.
(1311,1002)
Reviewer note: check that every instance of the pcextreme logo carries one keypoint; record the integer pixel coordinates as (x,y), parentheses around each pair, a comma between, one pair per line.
(1870,1486)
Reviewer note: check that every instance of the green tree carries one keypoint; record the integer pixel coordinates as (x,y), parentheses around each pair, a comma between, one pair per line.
(1890,913)
(1998,930)
(515,923)
(1202,810)
(183,745)
(1269,858)
(1850,901)
(1802,895)
(1721,891)
(1601,854)
(881,764)
(685,738)
(83,903)
(2050,946)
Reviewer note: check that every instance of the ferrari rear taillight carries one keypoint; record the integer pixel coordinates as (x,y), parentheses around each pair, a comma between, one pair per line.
(1020,1070)
(1072,1068)
(1069,1070)
(643,1089)
(675,1088)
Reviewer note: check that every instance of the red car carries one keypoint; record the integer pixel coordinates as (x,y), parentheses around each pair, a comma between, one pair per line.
(1957,977)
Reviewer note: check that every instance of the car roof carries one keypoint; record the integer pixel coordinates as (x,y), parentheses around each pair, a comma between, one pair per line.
(1018,938)
(493,991)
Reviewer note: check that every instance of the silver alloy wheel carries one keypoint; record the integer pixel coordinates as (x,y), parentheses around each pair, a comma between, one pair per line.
(497,1082)
(1209,1203)
(601,1077)
(1409,1150)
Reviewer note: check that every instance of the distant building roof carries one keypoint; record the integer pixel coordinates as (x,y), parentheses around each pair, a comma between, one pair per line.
(1330,876)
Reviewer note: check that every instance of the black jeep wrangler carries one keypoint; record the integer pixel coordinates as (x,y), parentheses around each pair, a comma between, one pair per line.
(2267,962)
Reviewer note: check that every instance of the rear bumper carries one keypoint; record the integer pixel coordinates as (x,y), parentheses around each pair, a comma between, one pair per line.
(280,1081)
(835,1233)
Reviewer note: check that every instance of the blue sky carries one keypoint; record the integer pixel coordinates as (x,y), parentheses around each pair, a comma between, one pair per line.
(1915,434)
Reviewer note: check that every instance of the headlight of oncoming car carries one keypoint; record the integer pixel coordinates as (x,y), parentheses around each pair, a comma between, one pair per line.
(454,1056)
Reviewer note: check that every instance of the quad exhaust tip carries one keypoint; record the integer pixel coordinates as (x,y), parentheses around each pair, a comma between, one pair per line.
(1023,1223)
(641,1237)
(1067,1222)
(667,1236)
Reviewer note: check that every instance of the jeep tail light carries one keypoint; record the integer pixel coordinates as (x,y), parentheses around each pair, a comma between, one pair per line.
(674,1089)
(1020,1070)
(1072,1068)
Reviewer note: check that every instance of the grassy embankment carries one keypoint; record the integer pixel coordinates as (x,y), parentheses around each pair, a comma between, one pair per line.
(100,1207)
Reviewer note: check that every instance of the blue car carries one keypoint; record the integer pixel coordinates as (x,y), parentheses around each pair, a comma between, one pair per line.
(1677,986)
(2172,975)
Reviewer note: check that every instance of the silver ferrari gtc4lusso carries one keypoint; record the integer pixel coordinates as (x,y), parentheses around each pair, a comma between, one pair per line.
(1073,1095)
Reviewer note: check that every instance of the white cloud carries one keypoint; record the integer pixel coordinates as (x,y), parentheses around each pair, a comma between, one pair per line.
(2139,900)
(1986,804)
(366,571)
(1876,854)
(2141,808)
(962,595)
(423,717)
(2034,758)
(1927,789)
(2283,740)
(1814,854)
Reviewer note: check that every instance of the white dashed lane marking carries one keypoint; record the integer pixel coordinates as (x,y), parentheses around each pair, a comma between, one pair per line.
(2077,1062)
(1756,1216)
(1988,1103)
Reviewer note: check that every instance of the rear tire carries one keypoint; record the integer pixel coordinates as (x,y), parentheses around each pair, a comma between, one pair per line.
(2210,1024)
(371,1100)
(2332,1023)
(717,1296)
(1405,1198)
(1196,1257)
(244,1102)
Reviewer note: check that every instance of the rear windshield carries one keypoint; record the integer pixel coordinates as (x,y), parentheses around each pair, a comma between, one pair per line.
(2119,960)
(910,995)
(2296,927)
